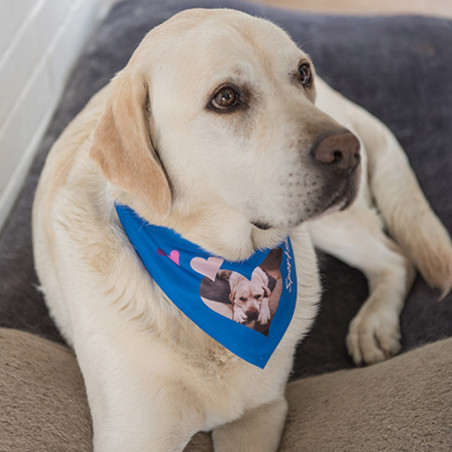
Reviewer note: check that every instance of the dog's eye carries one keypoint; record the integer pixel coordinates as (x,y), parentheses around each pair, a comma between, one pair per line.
(242,299)
(305,73)
(225,99)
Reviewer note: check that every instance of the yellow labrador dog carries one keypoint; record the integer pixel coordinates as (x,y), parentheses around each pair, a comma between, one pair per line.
(219,129)
(249,299)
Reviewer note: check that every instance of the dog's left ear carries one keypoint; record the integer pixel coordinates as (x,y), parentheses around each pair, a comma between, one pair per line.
(122,142)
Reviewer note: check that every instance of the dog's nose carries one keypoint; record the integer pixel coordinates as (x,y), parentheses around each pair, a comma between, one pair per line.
(340,150)
(252,314)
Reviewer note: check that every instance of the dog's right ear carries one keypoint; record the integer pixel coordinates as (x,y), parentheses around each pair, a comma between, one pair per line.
(224,274)
(122,143)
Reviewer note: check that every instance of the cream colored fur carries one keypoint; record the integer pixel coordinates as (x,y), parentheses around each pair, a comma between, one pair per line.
(153,379)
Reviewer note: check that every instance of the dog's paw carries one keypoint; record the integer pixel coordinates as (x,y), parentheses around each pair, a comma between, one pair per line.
(239,316)
(264,314)
(373,337)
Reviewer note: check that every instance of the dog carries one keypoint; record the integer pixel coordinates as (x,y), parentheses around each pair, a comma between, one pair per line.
(249,299)
(234,149)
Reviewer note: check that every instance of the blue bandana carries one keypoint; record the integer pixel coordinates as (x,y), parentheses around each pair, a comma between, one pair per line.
(246,306)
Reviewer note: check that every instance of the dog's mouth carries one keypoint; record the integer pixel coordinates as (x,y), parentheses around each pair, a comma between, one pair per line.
(350,191)
(340,195)
(261,225)
(336,195)
(344,198)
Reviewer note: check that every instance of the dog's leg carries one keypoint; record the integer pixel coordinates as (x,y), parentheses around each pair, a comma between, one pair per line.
(356,237)
(406,212)
(238,315)
(142,425)
(133,407)
(258,430)
(393,185)
(264,313)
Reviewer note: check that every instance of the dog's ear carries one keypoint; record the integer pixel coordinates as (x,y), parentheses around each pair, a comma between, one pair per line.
(122,143)
(232,296)
(232,286)
(263,276)
(267,291)
(224,274)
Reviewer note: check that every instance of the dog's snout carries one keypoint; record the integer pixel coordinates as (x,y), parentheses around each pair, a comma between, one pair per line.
(340,150)
(252,314)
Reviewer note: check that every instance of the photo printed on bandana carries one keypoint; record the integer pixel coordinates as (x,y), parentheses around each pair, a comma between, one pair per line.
(246,306)
(250,302)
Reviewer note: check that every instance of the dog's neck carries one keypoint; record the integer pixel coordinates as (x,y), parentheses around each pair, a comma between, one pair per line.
(204,286)
(221,231)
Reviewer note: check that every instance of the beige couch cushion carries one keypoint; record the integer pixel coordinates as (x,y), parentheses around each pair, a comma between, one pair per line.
(43,406)
(402,404)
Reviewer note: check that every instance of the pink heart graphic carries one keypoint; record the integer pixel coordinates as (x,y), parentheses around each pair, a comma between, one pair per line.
(207,267)
(174,255)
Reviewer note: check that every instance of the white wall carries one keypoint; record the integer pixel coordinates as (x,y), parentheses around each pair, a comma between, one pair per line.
(39,42)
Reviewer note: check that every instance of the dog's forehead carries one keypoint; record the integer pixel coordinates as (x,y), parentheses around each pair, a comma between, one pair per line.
(240,33)
(223,39)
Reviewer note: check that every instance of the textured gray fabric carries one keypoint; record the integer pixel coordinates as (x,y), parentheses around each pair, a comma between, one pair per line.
(397,67)
(404,404)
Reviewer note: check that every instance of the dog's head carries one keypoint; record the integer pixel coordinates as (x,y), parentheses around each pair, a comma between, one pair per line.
(216,108)
(248,295)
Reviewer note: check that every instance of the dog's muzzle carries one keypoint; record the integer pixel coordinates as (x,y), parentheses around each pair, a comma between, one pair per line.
(336,154)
